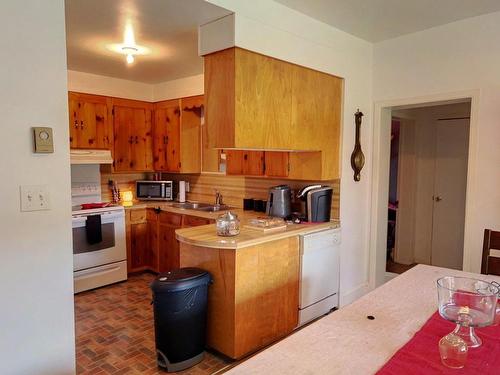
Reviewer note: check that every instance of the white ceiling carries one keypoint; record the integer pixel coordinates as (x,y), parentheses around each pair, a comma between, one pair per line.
(167,27)
(377,20)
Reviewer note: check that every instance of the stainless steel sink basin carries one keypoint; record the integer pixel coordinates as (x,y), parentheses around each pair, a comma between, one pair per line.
(192,205)
(214,208)
(201,206)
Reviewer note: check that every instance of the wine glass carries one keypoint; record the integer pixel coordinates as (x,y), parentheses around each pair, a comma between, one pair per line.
(469,303)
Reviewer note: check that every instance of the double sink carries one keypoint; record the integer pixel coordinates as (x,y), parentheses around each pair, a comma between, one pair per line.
(198,206)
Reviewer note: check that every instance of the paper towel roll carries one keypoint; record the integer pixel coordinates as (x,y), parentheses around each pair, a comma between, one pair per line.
(182,191)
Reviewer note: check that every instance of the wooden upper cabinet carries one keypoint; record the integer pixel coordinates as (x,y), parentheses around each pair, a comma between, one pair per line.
(270,105)
(89,122)
(177,135)
(246,163)
(133,141)
(166,136)
(276,163)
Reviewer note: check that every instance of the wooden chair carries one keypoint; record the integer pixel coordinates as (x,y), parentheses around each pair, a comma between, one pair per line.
(490,265)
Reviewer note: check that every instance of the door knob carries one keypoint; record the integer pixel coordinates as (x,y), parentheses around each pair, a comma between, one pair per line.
(438,198)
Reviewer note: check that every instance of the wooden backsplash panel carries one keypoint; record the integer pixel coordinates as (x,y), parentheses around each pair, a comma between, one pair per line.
(124,181)
(235,188)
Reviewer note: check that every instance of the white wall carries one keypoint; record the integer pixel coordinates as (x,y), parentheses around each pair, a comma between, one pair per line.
(36,270)
(179,88)
(458,56)
(122,88)
(109,86)
(275,30)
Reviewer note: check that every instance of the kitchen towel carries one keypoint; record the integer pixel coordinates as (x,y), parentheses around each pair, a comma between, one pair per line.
(93,229)
(420,355)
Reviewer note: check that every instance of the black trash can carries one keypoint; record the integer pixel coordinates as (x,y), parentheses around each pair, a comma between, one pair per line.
(180,314)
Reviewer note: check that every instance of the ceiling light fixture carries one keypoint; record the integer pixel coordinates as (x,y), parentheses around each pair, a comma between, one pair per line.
(129,47)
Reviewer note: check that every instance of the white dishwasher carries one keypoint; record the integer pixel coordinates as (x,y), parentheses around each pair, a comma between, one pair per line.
(319,274)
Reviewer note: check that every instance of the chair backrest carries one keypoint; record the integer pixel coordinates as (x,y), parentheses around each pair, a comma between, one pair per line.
(490,265)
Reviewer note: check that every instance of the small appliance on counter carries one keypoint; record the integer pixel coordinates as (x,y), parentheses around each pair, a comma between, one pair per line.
(317,202)
(279,201)
(154,190)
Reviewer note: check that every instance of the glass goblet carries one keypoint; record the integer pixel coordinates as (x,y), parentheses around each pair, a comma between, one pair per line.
(469,303)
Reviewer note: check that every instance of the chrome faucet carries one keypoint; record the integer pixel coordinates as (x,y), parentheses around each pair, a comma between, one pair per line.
(218,198)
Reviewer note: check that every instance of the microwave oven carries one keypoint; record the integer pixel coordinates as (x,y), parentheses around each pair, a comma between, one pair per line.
(154,190)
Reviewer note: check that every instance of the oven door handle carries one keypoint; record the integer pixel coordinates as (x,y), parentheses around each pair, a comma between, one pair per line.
(102,270)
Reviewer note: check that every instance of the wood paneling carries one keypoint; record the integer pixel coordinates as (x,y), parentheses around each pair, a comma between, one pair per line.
(124,181)
(274,105)
(139,250)
(168,248)
(253,300)
(194,221)
(267,294)
(263,101)
(246,163)
(133,141)
(192,109)
(316,116)
(219,75)
(89,123)
(235,188)
(166,136)
(277,163)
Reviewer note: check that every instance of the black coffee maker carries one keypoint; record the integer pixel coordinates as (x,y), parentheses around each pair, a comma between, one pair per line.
(316,202)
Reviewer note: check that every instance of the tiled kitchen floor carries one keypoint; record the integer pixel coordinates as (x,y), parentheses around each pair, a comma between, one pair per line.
(115,333)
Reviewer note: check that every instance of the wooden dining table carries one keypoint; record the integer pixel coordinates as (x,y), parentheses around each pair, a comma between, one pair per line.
(361,337)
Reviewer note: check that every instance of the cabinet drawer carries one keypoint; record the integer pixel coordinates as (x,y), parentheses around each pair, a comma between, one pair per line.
(195,221)
(169,218)
(138,216)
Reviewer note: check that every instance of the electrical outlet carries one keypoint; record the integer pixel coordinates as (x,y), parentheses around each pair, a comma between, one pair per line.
(35,198)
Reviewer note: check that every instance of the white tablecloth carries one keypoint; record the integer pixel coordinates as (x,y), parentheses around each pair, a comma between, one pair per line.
(346,342)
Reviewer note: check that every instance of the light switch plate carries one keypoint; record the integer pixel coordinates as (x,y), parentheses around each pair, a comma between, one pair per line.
(35,198)
(43,140)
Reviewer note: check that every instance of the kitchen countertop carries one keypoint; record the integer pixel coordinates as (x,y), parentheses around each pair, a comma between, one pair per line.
(346,342)
(168,206)
(205,236)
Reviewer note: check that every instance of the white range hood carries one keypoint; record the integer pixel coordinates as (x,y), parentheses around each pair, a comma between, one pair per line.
(91,157)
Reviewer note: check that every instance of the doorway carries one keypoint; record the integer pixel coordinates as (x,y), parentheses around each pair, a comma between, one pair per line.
(423,177)
(383,114)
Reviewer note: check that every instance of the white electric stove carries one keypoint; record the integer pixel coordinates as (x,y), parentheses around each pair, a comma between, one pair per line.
(104,262)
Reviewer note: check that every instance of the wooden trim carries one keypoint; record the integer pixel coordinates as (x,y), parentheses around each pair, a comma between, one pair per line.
(130,103)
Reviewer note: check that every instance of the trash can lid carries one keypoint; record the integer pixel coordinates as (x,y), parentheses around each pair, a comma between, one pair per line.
(180,279)
(181,274)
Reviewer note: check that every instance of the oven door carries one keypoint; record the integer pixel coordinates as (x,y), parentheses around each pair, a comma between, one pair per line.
(111,249)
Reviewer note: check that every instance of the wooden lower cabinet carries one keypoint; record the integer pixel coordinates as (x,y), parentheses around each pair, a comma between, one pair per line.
(139,250)
(254,298)
(137,232)
(151,242)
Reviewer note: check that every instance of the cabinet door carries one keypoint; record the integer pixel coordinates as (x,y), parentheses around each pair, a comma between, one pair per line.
(246,163)
(139,249)
(277,163)
(90,127)
(133,149)
(74,120)
(195,221)
(153,243)
(168,256)
(123,123)
(167,136)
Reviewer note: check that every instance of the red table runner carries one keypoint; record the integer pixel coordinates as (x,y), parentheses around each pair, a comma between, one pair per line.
(420,355)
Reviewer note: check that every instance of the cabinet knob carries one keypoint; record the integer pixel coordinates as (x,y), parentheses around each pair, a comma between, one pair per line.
(81,124)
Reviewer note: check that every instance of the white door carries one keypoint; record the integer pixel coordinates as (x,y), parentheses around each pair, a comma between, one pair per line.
(450,179)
